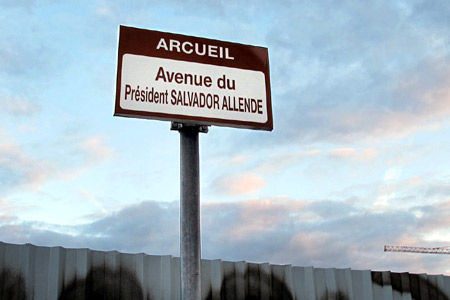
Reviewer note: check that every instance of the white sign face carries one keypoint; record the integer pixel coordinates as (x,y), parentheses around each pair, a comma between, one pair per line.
(192,80)
(191,89)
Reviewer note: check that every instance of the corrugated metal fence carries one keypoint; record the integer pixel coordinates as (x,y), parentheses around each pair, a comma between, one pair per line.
(30,272)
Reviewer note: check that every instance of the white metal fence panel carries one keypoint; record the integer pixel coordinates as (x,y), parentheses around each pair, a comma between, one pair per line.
(29,272)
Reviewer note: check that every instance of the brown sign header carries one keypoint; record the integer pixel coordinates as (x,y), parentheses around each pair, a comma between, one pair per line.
(189,79)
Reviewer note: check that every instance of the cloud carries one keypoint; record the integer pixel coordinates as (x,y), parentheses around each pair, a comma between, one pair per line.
(150,226)
(104,10)
(21,168)
(280,160)
(438,190)
(95,150)
(18,169)
(239,159)
(367,155)
(253,217)
(275,230)
(17,3)
(19,107)
(27,52)
(79,154)
(415,104)
(238,184)
(433,221)
(345,73)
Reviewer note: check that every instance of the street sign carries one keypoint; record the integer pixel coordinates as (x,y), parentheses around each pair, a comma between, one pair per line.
(192,80)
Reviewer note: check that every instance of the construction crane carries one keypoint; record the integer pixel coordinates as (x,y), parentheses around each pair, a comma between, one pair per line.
(435,250)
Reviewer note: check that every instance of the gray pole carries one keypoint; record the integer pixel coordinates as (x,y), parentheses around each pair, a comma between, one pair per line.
(190,211)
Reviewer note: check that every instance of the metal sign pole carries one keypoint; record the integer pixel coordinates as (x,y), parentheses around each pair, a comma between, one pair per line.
(190,241)
(210,91)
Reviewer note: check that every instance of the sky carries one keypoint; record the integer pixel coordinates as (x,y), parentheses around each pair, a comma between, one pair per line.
(359,156)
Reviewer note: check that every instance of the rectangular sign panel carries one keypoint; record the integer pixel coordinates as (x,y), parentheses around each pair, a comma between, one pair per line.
(192,80)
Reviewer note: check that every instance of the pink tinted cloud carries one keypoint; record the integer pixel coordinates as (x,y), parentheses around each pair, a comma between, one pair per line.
(239,159)
(416,104)
(422,95)
(311,244)
(95,149)
(278,161)
(367,154)
(88,152)
(25,169)
(258,216)
(413,99)
(239,184)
